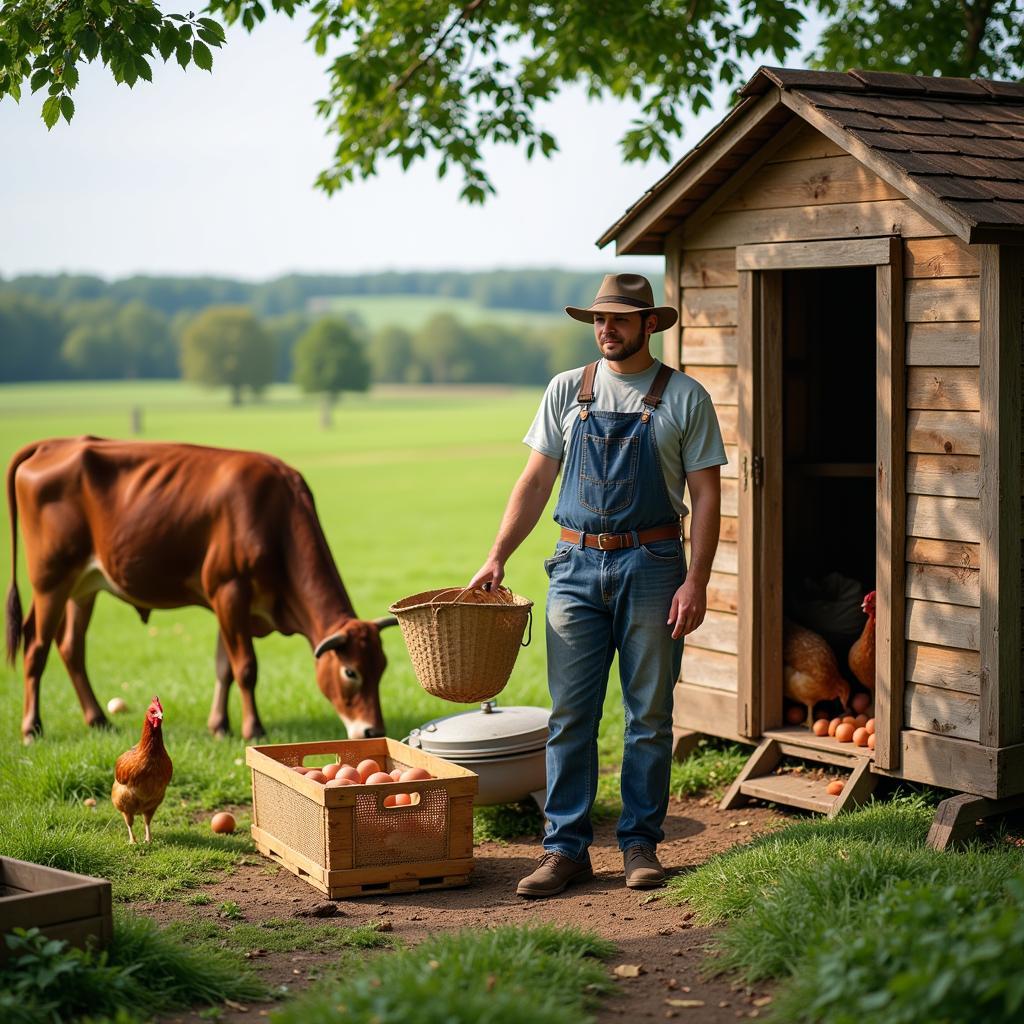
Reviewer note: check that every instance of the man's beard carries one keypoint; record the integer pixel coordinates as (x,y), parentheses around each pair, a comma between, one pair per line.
(630,347)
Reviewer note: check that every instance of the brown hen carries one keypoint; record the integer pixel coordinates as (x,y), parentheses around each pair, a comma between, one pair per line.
(862,653)
(141,774)
(810,672)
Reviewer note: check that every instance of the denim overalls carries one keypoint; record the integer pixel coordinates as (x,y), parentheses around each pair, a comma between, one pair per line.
(600,602)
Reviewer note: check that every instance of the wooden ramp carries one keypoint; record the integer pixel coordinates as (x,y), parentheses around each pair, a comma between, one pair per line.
(762,777)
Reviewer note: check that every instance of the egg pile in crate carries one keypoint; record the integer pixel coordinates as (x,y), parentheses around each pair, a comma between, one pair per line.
(357,840)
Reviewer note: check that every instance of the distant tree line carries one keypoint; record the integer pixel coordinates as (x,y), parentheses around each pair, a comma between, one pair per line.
(538,290)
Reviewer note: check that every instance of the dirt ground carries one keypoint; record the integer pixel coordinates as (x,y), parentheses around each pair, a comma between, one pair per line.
(661,940)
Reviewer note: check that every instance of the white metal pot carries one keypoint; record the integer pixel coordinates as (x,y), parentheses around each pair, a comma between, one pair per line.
(504,746)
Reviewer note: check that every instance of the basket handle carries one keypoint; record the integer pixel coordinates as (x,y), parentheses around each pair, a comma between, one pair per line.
(529,629)
(502,592)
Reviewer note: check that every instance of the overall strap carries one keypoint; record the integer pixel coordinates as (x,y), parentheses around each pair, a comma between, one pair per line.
(586,395)
(653,397)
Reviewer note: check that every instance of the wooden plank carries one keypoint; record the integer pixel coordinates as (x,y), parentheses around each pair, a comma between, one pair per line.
(947,762)
(857,790)
(460,830)
(799,741)
(726,558)
(946,432)
(728,529)
(942,299)
(948,625)
(722,592)
(718,632)
(956,818)
(396,872)
(710,668)
(709,346)
(708,307)
(748,372)
(1002,275)
(853,252)
(719,381)
(949,475)
(763,760)
(790,789)
(890,505)
(671,338)
(727,422)
(841,220)
(943,518)
(702,709)
(943,387)
(943,344)
(946,667)
(838,179)
(730,471)
(938,257)
(730,498)
(807,144)
(946,712)
(944,583)
(708,268)
(941,552)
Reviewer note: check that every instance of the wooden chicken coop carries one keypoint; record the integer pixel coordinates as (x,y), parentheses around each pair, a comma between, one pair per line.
(846,251)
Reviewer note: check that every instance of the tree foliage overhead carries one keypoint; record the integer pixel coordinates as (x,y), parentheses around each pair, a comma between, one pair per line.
(411,79)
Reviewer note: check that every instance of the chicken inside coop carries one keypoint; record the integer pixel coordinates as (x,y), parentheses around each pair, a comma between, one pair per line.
(828,496)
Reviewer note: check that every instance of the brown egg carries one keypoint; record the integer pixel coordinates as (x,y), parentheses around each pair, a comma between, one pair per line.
(871,741)
(860,737)
(301,769)
(820,727)
(844,733)
(331,770)
(870,726)
(317,776)
(861,720)
(338,782)
(367,768)
(849,720)
(861,702)
(223,822)
(415,775)
(833,725)
(378,779)
(834,788)
(395,773)
(403,799)
(346,771)
(795,714)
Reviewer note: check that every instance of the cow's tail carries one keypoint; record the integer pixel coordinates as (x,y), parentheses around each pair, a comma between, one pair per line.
(13,598)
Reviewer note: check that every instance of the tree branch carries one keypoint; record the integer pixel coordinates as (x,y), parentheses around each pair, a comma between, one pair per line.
(405,77)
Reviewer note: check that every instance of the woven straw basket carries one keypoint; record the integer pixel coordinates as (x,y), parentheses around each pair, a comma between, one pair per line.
(463,643)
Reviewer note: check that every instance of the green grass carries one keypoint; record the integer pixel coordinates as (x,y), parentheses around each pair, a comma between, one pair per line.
(280,935)
(144,971)
(797,903)
(413,311)
(410,485)
(503,975)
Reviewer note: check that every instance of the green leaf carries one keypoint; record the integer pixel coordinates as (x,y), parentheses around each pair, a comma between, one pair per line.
(214,28)
(51,111)
(166,41)
(202,56)
(183,53)
(39,79)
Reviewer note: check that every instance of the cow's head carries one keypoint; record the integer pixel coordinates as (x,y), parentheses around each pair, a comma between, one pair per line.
(349,664)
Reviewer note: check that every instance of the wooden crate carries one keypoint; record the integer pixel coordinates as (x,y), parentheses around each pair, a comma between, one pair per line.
(343,840)
(60,904)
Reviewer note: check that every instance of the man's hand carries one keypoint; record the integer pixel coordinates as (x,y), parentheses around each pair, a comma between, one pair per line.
(689,604)
(492,572)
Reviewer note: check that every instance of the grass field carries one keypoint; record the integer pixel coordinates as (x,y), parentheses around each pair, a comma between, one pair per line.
(412,311)
(409,485)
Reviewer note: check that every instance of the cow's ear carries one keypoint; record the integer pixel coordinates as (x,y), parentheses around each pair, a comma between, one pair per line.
(388,620)
(334,642)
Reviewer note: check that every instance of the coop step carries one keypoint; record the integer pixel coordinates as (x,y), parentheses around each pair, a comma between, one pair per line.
(764,778)
(791,790)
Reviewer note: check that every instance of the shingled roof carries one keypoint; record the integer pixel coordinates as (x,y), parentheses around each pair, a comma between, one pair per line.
(954,146)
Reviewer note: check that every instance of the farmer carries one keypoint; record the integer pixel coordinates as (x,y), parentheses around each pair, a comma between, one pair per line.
(627,432)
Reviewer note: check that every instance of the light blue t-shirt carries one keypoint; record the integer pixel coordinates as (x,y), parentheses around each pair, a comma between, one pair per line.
(685,424)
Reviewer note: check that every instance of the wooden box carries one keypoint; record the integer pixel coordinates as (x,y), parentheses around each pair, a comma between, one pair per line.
(60,904)
(344,841)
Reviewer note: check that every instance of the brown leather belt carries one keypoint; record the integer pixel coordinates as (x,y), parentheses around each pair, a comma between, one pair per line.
(615,541)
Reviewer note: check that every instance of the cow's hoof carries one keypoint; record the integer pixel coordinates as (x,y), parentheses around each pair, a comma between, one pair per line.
(31,731)
(219,732)
(255,732)
(99,721)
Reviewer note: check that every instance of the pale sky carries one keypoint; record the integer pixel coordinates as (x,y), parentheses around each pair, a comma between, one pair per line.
(213,174)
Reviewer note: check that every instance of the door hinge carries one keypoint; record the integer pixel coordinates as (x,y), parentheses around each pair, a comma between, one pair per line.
(758,470)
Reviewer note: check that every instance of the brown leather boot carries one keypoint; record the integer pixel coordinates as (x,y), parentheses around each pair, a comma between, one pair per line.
(643,870)
(555,871)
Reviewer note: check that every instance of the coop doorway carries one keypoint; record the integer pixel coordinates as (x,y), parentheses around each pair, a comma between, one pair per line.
(821,465)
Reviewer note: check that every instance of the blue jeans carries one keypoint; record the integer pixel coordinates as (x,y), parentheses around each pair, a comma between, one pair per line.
(600,602)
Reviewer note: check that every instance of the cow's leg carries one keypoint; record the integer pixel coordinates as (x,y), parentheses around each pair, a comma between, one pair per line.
(39,630)
(72,649)
(218,723)
(231,605)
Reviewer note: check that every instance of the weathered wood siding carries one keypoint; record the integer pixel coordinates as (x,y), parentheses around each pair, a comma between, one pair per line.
(811,189)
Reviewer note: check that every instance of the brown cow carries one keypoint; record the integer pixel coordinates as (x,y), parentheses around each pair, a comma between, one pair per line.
(169,525)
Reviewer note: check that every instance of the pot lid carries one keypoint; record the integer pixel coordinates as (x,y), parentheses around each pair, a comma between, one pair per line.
(489,730)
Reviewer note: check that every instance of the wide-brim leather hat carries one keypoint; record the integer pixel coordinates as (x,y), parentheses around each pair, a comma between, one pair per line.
(625,293)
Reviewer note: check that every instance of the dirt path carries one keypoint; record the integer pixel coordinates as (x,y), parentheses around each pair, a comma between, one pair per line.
(658,938)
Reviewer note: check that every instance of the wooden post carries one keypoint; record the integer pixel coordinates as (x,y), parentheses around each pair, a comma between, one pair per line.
(890,505)
(1002,267)
(671,353)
